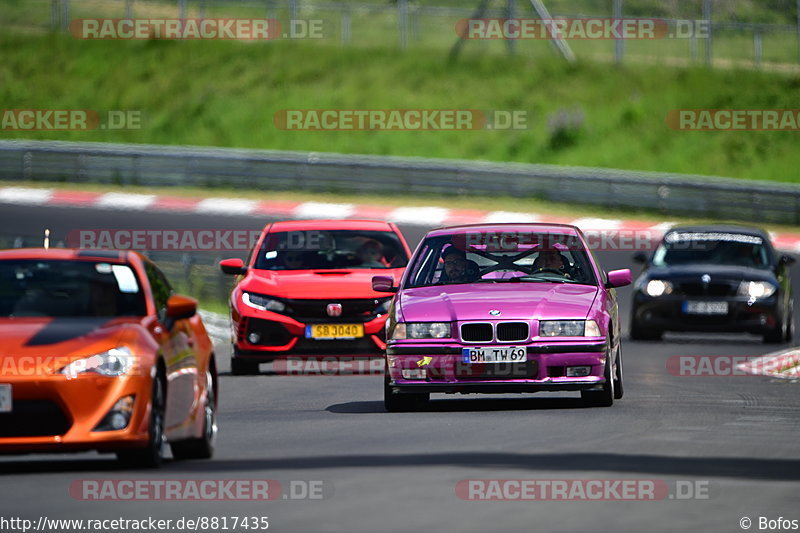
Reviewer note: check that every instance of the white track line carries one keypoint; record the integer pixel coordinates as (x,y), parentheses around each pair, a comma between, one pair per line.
(118,200)
(426,216)
(509,216)
(597,224)
(323,210)
(21,195)
(226,206)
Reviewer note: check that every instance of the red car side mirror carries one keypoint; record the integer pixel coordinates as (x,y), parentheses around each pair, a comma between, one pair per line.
(233,267)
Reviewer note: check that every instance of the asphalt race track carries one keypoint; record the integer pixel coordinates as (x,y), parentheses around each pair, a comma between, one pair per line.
(732,441)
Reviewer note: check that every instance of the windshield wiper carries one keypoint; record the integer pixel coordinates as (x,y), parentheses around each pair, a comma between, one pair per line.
(547,280)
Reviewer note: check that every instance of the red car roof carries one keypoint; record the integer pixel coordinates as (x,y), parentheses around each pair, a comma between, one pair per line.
(293,225)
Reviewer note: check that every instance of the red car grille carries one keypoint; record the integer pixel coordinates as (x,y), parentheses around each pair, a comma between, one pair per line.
(361,310)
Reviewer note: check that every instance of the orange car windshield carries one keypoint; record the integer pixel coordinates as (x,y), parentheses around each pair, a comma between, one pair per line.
(65,288)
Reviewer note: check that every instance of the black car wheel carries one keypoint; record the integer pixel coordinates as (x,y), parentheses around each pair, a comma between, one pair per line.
(779,333)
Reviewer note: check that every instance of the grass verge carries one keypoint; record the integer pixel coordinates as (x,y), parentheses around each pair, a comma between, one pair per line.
(227,93)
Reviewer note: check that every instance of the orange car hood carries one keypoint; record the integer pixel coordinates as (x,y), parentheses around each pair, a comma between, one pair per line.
(53,342)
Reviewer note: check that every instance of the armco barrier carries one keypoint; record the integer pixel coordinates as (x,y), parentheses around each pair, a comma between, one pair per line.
(154,165)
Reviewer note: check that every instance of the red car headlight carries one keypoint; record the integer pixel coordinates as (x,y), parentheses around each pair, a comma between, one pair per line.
(262,303)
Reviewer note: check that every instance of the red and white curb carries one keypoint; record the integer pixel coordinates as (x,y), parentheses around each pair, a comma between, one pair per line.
(785,364)
(425,215)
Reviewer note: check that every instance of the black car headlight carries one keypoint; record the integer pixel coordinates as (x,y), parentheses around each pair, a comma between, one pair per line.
(657,287)
(756,289)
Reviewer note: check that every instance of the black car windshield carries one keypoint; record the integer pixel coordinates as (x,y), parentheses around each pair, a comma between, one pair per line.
(487,258)
(330,250)
(65,288)
(681,248)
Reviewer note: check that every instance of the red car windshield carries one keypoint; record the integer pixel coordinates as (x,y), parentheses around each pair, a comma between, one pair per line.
(330,250)
(62,288)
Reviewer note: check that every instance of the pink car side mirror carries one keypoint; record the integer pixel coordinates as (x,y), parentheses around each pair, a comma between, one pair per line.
(619,278)
(383,284)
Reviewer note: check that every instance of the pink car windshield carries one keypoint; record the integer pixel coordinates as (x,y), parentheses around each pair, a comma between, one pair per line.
(447,260)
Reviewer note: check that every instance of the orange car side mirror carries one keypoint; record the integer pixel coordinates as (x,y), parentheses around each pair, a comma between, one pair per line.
(179,307)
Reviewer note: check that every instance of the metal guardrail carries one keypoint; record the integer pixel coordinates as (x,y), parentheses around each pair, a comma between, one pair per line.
(154,165)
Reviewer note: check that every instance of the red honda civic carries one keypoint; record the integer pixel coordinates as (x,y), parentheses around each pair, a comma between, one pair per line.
(306,290)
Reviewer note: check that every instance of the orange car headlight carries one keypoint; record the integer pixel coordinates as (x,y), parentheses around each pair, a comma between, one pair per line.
(112,363)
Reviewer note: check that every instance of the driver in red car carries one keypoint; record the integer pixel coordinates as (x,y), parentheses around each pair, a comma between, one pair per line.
(370,254)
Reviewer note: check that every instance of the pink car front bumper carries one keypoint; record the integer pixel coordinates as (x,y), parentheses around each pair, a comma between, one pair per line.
(445,370)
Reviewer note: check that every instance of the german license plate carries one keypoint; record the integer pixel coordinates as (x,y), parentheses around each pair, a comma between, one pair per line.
(334,331)
(5,398)
(705,308)
(499,354)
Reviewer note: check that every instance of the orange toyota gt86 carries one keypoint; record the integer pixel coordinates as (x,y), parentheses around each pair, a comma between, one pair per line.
(96,353)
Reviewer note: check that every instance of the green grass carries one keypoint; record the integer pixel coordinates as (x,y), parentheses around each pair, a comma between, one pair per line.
(226,93)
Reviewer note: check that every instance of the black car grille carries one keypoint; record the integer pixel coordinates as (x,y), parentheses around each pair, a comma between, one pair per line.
(717,289)
(361,310)
(477,332)
(512,331)
(34,418)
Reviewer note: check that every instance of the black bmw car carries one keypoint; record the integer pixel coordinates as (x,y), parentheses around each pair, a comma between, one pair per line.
(714,279)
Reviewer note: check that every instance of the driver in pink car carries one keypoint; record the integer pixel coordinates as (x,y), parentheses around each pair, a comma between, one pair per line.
(457,269)
(551,258)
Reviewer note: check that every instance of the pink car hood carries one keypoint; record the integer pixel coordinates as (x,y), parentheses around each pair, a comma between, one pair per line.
(521,301)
